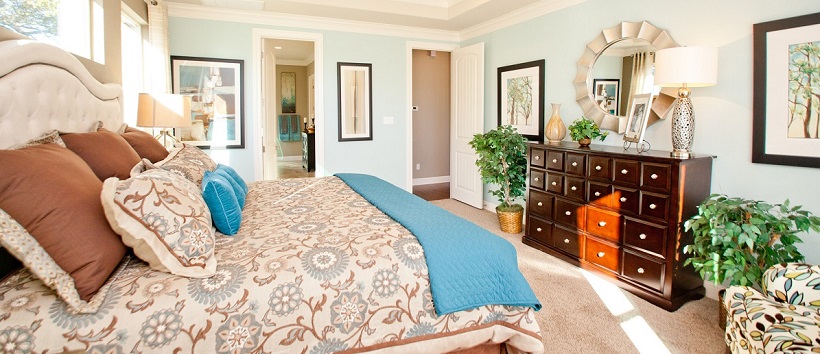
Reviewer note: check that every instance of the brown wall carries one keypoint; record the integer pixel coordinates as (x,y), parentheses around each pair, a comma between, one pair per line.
(293,148)
(431,123)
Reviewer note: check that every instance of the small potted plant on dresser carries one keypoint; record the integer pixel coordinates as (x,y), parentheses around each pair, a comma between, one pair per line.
(736,239)
(584,131)
(502,162)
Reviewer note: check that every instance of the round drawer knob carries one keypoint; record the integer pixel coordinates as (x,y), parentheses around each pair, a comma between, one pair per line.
(640,270)
(574,164)
(600,254)
(653,176)
(652,206)
(623,199)
(568,213)
(537,157)
(597,168)
(566,240)
(597,194)
(538,229)
(540,204)
(602,223)
(554,183)
(574,188)
(554,160)
(624,171)
(536,179)
(642,236)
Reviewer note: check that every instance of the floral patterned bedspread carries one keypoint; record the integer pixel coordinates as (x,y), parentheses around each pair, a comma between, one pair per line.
(314,269)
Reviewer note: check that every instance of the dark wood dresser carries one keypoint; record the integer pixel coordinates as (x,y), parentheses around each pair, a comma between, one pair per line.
(308,151)
(618,213)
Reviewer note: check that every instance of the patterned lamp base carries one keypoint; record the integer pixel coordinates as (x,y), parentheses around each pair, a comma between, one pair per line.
(683,127)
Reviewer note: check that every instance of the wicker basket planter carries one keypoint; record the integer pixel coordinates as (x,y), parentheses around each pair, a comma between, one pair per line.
(510,221)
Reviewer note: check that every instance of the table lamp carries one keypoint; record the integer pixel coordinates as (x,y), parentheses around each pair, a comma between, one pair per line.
(685,67)
(166,111)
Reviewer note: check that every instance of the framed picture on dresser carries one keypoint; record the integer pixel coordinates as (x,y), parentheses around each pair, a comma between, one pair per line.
(217,96)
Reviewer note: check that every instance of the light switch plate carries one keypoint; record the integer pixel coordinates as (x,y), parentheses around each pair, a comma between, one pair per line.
(388,120)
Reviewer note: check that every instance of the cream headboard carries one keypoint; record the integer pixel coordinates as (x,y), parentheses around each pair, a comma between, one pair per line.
(43,87)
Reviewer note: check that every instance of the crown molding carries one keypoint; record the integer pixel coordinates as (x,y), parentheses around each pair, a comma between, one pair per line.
(515,17)
(200,12)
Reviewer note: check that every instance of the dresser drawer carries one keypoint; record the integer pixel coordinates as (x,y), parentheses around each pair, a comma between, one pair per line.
(537,179)
(575,188)
(600,194)
(555,160)
(575,164)
(540,230)
(540,204)
(643,270)
(567,240)
(603,223)
(626,199)
(646,237)
(627,172)
(602,254)
(555,183)
(600,168)
(537,157)
(569,213)
(654,205)
(656,177)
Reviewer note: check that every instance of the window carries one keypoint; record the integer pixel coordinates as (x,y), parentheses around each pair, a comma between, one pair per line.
(74,25)
(133,77)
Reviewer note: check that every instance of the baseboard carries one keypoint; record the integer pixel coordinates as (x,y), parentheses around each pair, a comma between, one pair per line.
(290,158)
(431,180)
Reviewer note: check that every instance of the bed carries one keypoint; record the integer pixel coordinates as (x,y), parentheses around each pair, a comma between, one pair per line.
(316,267)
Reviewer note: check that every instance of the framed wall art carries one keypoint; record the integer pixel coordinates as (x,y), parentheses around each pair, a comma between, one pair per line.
(216,90)
(606,93)
(786,128)
(288,92)
(521,98)
(355,101)
(637,118)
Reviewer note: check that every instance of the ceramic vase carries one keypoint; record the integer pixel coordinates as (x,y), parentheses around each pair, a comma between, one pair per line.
(555,130)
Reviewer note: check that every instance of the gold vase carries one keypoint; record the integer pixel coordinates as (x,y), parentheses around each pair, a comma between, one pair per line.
(555,130)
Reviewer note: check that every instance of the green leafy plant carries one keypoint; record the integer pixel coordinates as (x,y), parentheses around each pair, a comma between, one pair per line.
(737,239)
(585,129)
(502,161)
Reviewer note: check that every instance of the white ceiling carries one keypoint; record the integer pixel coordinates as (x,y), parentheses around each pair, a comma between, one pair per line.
(449,15)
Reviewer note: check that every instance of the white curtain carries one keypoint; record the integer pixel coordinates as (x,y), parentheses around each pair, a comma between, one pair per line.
(642,77)
(157,59)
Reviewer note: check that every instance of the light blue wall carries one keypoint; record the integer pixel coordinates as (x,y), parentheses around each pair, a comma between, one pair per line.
(384,156)
(723,112)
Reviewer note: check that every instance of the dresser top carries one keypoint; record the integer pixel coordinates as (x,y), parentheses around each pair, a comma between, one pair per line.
(616,150)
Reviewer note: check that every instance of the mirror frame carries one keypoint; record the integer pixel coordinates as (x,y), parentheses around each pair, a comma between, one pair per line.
(657,37)
(365,93)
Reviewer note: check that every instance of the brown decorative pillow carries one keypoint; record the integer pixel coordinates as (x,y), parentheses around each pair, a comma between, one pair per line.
(188,161)
(55,196)
(146,145)
(107,153)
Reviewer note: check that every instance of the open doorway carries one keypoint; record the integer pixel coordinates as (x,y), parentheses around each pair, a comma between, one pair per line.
(431,124)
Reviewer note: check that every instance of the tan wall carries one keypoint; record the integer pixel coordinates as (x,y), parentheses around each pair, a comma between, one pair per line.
(431,123)
(111,71)
(293,148)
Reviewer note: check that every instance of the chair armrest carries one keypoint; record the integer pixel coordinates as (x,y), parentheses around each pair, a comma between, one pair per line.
(793,283)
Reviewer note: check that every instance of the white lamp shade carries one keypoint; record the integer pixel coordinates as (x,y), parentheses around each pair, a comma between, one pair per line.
(692,66)
(163,110)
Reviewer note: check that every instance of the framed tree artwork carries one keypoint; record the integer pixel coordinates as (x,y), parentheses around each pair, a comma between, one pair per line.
(521,98)
(786,128)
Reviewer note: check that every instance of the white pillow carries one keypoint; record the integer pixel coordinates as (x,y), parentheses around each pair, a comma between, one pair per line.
(162,216)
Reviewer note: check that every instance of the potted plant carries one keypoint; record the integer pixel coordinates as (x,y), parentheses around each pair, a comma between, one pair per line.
(584,130)
(735,240)
(502,162)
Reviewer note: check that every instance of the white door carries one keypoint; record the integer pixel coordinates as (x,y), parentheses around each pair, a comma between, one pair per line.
(466,119)
(270,128)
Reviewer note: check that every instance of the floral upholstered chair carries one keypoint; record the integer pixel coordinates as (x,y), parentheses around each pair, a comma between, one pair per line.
(784,318)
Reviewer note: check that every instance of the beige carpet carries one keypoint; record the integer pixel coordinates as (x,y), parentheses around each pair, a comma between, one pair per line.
(575,319)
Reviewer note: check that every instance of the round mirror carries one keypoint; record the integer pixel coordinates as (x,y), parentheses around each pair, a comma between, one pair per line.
(617,65)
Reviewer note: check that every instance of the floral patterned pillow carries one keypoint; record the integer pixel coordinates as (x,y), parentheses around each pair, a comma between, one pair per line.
(187,161)
(163,217)
(23,246)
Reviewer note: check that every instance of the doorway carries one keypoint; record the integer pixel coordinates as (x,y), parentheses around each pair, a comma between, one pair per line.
(285,60)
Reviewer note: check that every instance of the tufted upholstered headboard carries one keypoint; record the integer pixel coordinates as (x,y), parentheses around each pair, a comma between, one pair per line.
(43,87)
